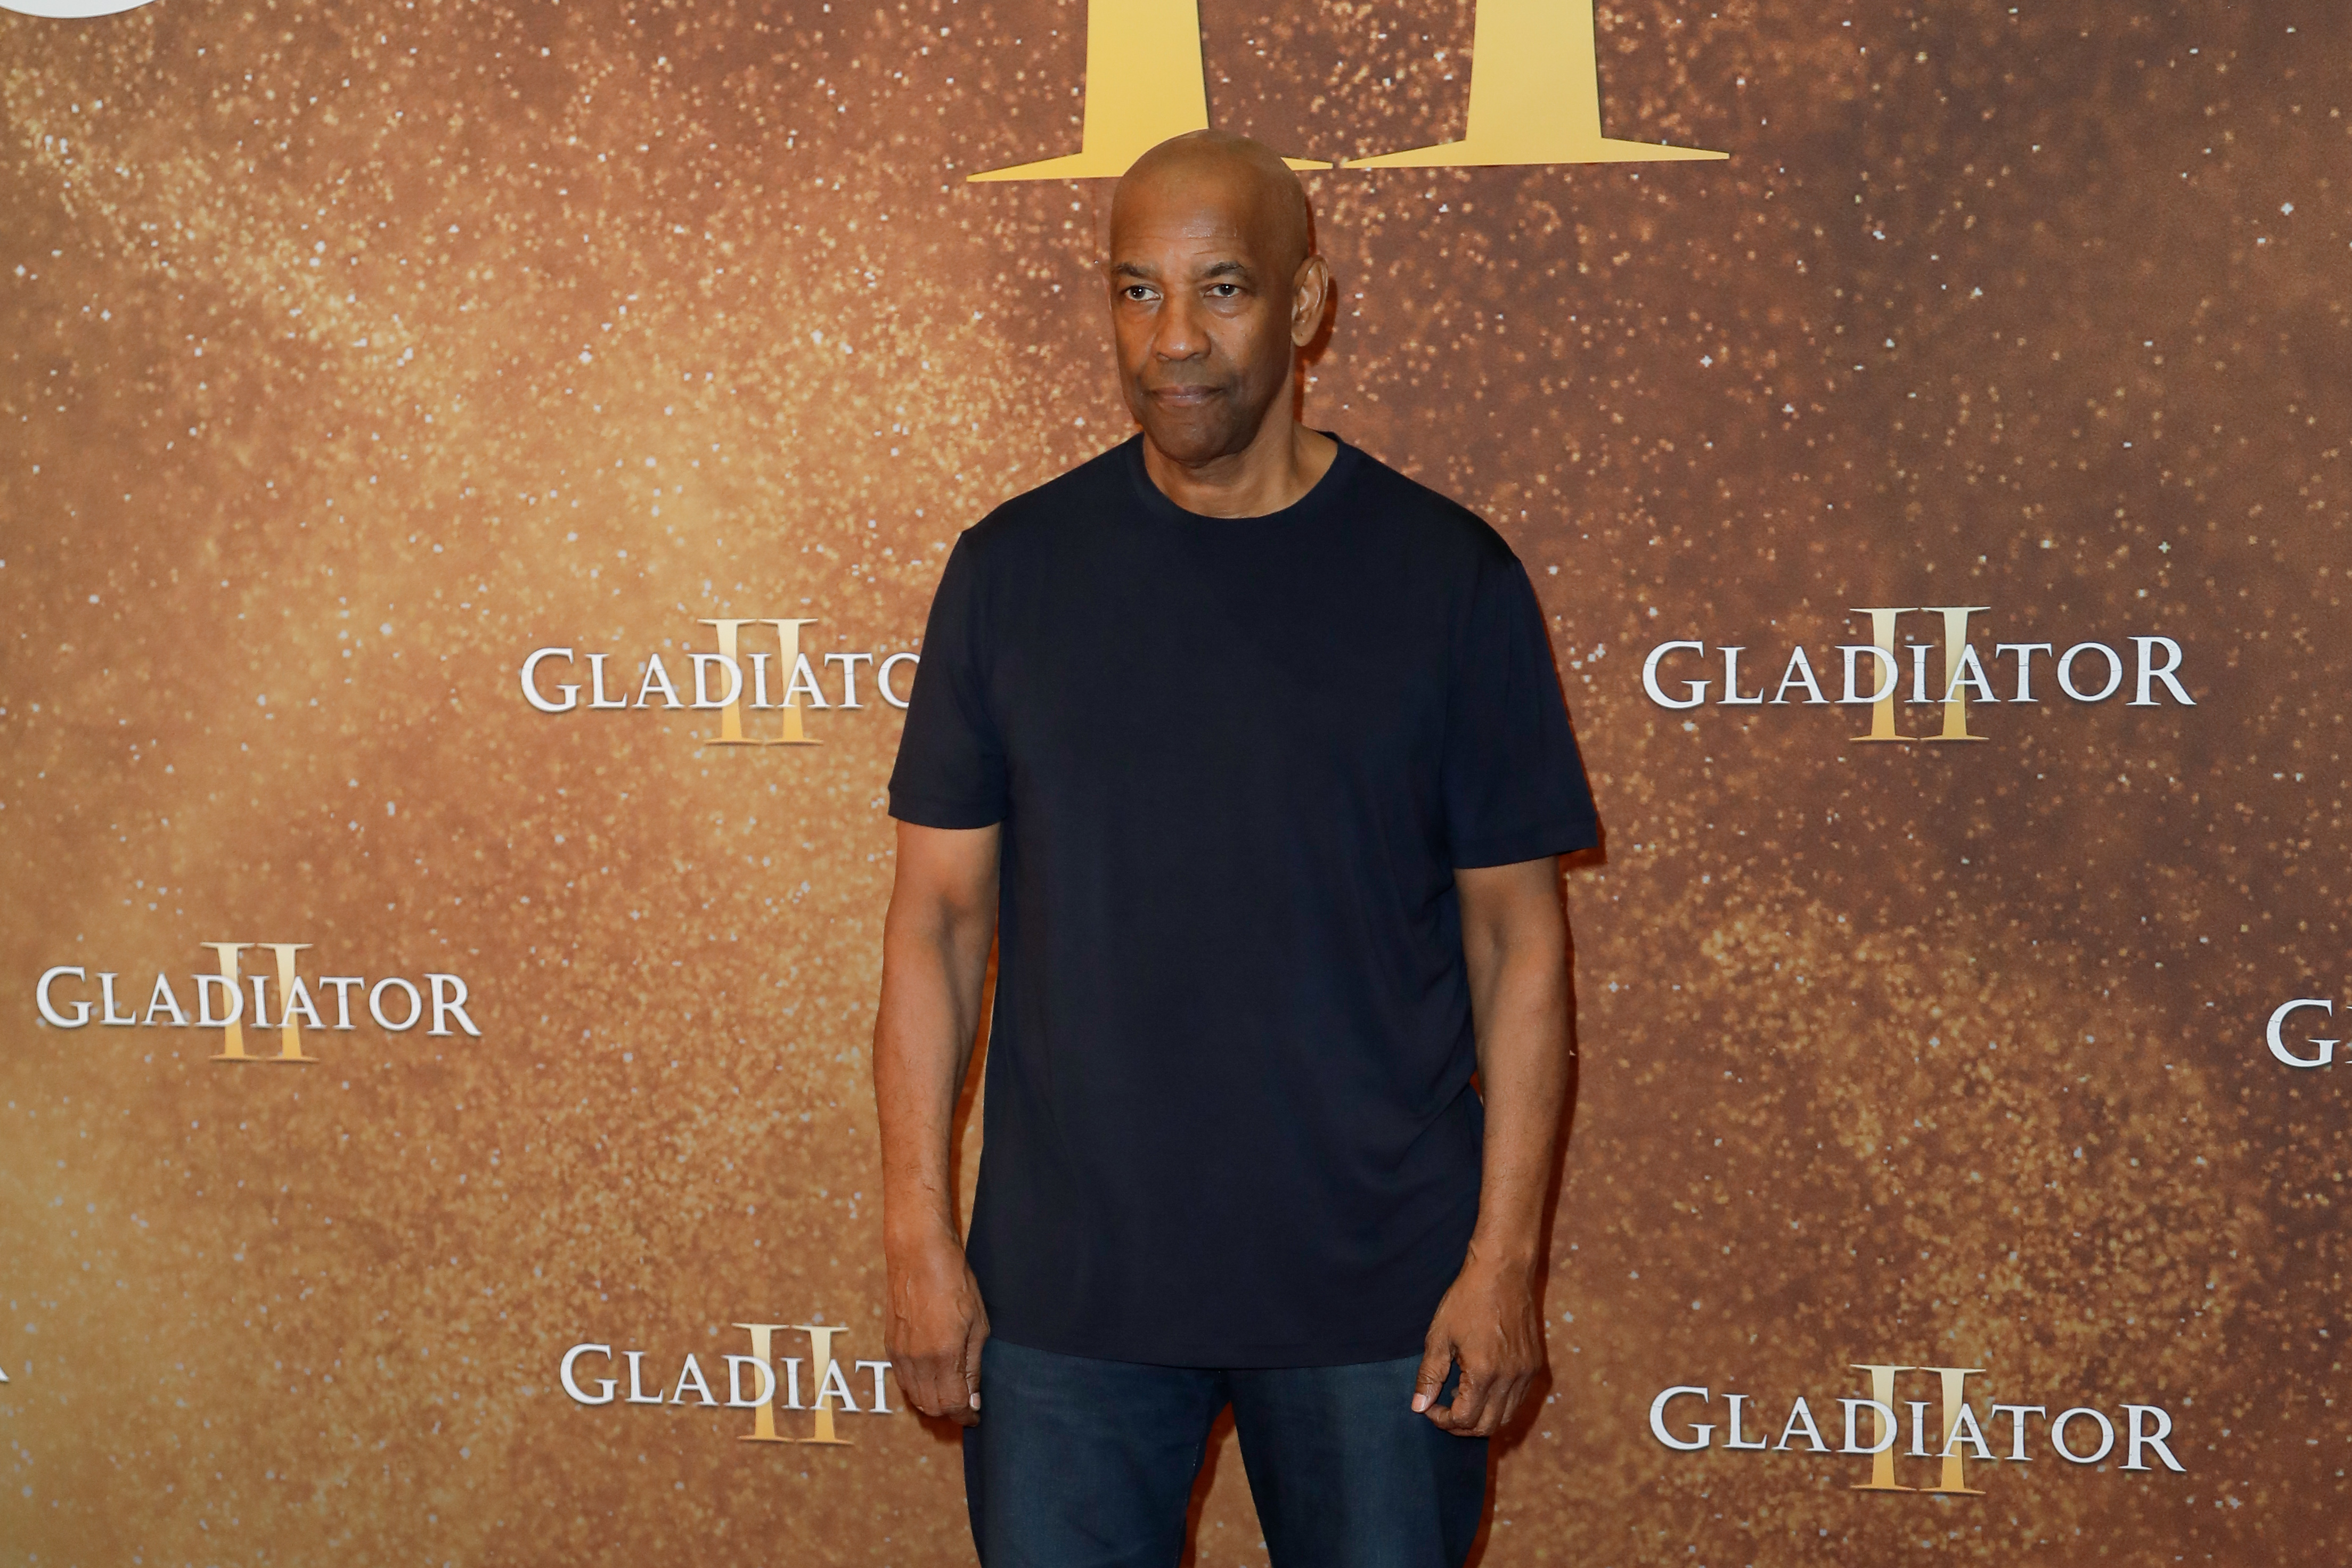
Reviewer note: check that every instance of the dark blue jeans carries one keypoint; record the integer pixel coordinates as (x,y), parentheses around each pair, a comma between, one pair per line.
(1080,1463)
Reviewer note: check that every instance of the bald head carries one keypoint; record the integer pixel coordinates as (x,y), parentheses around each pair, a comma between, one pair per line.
(1213,290)
(1219,169)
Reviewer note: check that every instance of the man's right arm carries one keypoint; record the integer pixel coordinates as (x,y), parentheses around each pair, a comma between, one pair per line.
(935,943)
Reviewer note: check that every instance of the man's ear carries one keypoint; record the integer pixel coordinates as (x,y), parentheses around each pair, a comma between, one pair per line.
(1308,290)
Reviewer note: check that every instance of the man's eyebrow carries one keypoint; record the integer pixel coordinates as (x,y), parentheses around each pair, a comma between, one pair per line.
(1146,273)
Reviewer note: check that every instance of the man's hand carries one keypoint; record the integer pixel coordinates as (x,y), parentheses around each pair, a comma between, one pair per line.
(936,1328)
(1487,1323)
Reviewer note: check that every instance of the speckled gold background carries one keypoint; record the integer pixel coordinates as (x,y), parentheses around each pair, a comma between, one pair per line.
(353,351)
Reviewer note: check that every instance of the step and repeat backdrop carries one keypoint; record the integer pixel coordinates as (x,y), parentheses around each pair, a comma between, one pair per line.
(474,476)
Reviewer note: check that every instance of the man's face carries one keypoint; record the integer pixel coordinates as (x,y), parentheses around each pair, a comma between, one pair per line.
(1206,308)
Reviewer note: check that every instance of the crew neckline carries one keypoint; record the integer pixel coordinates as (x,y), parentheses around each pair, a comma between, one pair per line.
(1316,501)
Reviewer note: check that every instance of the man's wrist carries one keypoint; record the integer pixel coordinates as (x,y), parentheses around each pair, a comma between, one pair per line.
(919,1234)
(1517,1256)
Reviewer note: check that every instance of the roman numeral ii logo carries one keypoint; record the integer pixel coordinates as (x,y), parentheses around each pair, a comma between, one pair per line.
(1535,93)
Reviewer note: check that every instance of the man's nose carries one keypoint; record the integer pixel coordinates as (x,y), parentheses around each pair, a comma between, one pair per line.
(1178,334)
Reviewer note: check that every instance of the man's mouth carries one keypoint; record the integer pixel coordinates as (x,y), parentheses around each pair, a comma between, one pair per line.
(1182,395)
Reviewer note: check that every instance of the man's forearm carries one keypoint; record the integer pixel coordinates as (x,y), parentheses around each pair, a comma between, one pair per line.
(1524,1066)
(923,1048)
(934,966)
(1516,943)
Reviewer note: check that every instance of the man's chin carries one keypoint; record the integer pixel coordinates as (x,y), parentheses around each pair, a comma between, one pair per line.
(1194,436)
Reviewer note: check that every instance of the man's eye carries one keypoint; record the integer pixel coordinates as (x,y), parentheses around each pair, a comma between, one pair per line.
(1224,290)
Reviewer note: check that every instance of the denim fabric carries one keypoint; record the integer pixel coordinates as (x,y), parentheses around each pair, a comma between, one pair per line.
(1078,1463)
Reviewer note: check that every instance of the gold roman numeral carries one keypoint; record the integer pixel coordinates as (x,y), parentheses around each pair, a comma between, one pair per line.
(1535,93)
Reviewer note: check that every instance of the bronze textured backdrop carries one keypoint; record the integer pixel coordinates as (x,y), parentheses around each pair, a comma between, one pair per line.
(354,352)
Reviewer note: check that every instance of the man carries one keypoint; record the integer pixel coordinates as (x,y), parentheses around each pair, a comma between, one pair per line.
(1251,755)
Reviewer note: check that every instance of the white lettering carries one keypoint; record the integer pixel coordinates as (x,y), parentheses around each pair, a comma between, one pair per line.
(1920,651)
(344,984)
(882,677)
(163,1000)
(2273,1034)
(849,684)
(804,680)
(637,1394)
(1702,1434)
(735,1366)
(690,1375)
(1731,697)
(596,698)
(2058,1435)
(2024,652)
(570,1360)
(107,1014)
(449,1001)
(1731,1437)
(299,1003)
(205,984)
(1964,1428)
(2139,1440)
(702,663)
(2017,1415)
(48,1010)
(657,676)
(531,692)
(1801,1415)
(878,1407)
(1884,1417)
(2115,671)
(2151,671)
(1892,671)
(1697,688)
(1799,673)
(375,1005)
(1970,671)
(834,1385)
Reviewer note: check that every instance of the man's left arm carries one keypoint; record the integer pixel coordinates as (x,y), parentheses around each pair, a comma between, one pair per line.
(1514,946)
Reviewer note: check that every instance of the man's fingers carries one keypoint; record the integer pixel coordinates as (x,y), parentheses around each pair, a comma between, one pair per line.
(1507,1403)
(938,1377)
(915,1382)
(969,1384)
(935,1385)
(910,1376)
(1483,1411)
(1494,1408)
(1435,1362)
(1462,1413)
(954,1402)
(910,1388)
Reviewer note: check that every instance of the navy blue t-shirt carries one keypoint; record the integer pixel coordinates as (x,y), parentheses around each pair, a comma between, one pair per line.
(1230,1120)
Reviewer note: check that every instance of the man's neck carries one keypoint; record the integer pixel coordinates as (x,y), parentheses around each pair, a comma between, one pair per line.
(1274,471)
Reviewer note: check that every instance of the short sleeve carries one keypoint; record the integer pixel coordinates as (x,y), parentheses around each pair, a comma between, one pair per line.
(950,769)
(1514,782)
